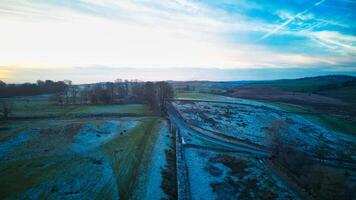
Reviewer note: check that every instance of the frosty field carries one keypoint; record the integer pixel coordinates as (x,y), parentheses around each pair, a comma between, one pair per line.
(203,146)
(229,147)
(254,123)
(107,158)
(215,175)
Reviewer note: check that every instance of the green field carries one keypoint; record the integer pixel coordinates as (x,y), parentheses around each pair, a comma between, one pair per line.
(40,157)
(131,163)
(42,106)
(196,96)
(313,84)
(340,87)
(329,121)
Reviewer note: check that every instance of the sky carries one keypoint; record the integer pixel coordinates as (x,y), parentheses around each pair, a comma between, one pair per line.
(91,40)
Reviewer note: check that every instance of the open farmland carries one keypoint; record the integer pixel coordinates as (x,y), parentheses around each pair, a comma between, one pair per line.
(79,159)
(272,151)
(329,100)
(194,146)
(255,124)
(177,100)
(41,106)
(71,157)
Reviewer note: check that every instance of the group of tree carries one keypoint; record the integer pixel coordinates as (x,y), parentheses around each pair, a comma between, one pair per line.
(154,94)
(29,89)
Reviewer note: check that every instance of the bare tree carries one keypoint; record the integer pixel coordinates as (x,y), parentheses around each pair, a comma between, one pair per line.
(149,95)
(86,94)
(164,92)
(7,108)
(110,86)
(69,84)
(74,91)
(59,97)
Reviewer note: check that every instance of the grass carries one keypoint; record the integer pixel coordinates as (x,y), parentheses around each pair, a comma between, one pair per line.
(328,121)
(347,94)
(194,95)
(12,128)
(19,175)
(245,178)
(41,106)
(200,96)
(169,172)
(327,86)
(307,84)
(7,131)
(93,109)
(129,155)
(334,123)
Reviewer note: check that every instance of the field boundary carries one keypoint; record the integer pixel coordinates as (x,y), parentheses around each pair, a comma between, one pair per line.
(182,172)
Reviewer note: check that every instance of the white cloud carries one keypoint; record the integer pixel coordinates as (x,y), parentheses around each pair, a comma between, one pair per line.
(138,34)
(290,19)
(332,37)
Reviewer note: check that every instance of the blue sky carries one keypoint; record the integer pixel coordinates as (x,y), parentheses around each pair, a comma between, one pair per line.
(88,40)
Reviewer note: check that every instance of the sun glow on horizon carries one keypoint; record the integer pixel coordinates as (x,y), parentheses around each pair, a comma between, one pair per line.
(5,74)
(178,34)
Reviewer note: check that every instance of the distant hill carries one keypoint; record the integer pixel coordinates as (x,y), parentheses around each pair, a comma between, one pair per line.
(337,86)
(341,87)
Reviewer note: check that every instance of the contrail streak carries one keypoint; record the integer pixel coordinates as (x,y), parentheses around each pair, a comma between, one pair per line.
(290,20)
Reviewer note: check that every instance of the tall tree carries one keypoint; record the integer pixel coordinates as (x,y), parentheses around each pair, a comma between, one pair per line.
(6,108)
(74,91)
(110,86)
(150,95)
(164,92)
(69,84)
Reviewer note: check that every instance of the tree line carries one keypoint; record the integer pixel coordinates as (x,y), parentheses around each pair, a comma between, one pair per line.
(154,94)
(28,89)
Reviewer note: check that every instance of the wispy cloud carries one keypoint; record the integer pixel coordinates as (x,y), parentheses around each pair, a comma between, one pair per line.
(292,18)
(178,33)
(337,40)
(147,35)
